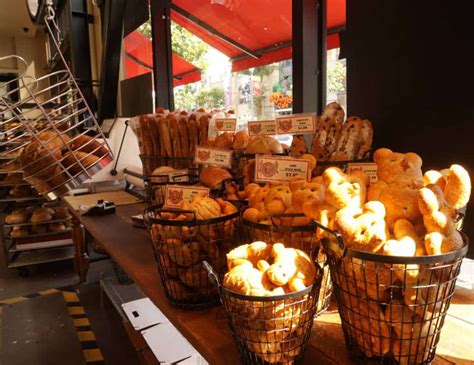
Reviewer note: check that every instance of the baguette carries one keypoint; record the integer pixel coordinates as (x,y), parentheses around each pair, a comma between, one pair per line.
(365,139)
(153,127)
(165,138)
(147,143)
(203,130)
(174,134)
(184,135)
(193,130)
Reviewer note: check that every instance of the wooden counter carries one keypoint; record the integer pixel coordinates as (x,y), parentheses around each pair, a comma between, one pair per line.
(207,330)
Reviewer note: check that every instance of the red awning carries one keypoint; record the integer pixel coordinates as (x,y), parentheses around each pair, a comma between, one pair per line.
(256,25)
(139,60)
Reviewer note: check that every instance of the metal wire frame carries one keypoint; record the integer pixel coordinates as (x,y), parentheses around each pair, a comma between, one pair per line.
(70,111)
(270,329)
(392,308)
(180,246)
(302,237)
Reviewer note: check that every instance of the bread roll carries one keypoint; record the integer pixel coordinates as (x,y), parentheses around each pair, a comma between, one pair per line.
(41,217)
(61,212)
(17,217)
(56,227)
(224,141)
(84,143)
(241,140)
(212,177)
(72,165)
(263,145)
(155,175)
(19,232)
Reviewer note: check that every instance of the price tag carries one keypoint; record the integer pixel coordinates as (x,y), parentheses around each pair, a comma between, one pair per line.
(296,124)
(226,124)
(261,127)
(280,169)
(175,195)
(370,168)
(174,176)
(213,156)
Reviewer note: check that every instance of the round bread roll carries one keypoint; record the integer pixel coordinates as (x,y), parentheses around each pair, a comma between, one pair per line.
(264,145)
(212,177)
(41,159)
(17,217)
(84,143)
(161,171)
(19,232)
(241,140)
(85,159)
(56,227)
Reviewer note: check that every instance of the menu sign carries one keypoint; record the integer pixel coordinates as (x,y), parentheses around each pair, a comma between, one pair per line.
(369,168)
(273,169)
(175,195)
(213,156)
(262,127)
(296,124)
(226,124)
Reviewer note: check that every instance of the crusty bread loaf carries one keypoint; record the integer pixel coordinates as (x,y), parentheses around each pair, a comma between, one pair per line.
(241,139)
(203,130)
(174,134)
(264,145)
(333,135)
(165,138)
(224,141)
(69,161)
(193,135)
(319,139)
(153,128)
(349,140)
(365,139)
(18,216)
(147,144)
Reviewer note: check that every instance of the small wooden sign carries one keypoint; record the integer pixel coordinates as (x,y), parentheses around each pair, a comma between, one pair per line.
(175,195)
(280,169)
(296,124)
(262,127)
(226,124)
(213,156)
(370,168)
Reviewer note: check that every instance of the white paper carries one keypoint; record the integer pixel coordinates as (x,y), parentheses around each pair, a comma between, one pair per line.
(168,344)
(143,313)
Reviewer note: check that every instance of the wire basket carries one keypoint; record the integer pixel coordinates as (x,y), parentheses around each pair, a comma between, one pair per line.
(150,163)
(285,229)
(392,308)
(156,184)
(46,121)
(181,245)
(270,329)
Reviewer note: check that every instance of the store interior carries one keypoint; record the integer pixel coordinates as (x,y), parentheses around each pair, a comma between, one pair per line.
(236,182)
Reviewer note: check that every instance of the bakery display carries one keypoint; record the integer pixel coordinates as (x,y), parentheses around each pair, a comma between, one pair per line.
(203,229)
(270,300)
(213,177)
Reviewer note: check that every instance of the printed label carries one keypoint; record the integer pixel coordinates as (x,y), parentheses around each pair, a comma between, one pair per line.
(174,176)
(213,156)
(280,169)
(296,124)
(262,127)
(226,124)
(369,168)
(175,195)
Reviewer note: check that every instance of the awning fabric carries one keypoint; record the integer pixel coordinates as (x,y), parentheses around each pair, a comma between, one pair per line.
(139,60)
(254,24)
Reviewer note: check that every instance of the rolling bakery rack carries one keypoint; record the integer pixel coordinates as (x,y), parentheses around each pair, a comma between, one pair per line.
(49,135)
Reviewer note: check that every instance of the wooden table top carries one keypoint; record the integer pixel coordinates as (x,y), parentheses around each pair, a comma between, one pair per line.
(207,330)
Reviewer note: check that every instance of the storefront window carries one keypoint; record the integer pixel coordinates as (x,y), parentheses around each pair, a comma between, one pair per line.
(336,89)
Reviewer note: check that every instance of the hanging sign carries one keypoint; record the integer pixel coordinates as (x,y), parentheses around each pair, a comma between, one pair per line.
(175,195)
(273,169)
(262,127)
(213,156)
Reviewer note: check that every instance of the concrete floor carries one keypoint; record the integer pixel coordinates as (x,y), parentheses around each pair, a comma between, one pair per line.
(105,321)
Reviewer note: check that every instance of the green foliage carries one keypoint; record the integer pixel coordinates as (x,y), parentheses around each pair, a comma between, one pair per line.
(185,97)
(183,43)
(212,98)
(336,81)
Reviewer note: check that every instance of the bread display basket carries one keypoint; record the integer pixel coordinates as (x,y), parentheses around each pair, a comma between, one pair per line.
(302,237)
(269,329)
(156,184)
(50,128)
(392,308)
(181,245)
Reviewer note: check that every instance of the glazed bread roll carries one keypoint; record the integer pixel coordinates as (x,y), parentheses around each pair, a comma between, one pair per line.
(84,143)
(264,145)
(241,140)
(17,217)
(212,177)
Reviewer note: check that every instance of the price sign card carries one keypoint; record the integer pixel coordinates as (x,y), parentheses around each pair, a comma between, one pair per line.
(213,156)
(369,168)
(175,195)
(296,124)
(226,124)
(262,127)
(280,169)
(174,176)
